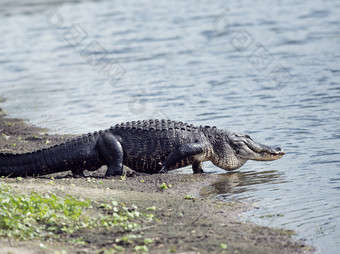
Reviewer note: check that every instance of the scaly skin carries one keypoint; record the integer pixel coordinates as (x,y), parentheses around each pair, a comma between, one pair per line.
(148,146)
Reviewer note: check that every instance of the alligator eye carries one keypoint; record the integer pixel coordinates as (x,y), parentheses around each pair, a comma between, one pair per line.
(247,136)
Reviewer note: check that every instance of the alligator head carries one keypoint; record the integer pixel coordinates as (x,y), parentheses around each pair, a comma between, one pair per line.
(232,150)
(246,148)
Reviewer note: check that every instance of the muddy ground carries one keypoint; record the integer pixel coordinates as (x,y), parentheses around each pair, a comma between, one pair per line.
(194,225)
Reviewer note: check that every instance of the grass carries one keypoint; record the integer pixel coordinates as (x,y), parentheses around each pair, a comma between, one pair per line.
(49,217)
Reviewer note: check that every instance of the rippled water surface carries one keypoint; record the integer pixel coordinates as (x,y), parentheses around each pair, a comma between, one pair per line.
(269,69)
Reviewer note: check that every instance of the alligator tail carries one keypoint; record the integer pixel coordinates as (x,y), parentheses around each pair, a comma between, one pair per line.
(78,153)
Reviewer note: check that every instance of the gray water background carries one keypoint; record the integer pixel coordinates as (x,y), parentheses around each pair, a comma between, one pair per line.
(269,69)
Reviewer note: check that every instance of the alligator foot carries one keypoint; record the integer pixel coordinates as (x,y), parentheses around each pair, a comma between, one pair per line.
(197,167)
(164,170)
(114,171)
(80,173)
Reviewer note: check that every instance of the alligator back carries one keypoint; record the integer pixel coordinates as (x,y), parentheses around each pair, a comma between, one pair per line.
(146,144)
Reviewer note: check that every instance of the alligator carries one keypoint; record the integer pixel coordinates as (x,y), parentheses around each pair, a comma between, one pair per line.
(148,146)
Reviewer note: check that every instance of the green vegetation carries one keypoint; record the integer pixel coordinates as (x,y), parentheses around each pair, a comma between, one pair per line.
(49,217)
(123,177)
(191,197)
(151,208)
(224,246)
(34,216)
(92,180)
(6,137)
(164,186)
(8,123)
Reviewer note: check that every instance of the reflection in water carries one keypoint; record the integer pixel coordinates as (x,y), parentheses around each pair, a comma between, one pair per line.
(240,182)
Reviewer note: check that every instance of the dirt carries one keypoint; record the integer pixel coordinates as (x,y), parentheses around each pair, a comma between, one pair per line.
(186,225)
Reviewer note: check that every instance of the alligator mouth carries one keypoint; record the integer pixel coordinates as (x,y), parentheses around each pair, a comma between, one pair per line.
(264,153)
(268,152)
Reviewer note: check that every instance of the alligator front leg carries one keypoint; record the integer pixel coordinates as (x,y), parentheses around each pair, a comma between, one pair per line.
(197,167)
(191,151)
(111,151)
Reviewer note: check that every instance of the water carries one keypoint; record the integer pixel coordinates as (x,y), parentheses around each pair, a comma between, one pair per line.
(269,69)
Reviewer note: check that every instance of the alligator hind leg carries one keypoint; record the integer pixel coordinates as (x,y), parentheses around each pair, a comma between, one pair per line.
(111,151)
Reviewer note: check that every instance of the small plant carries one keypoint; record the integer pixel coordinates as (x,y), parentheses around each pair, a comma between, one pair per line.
(90,180)
(5,136)
(148,241)
(127,240)
(172,250)
(123,177)
(135,240)
(141,249)
(51,182)
(224,246)
(191,197)
(164,186)
(151,208)
(78,241)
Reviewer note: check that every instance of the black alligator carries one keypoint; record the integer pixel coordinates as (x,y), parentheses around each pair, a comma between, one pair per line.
(148,146)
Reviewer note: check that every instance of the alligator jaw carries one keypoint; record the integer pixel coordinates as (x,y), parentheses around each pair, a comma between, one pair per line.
(270,155)
(266,153)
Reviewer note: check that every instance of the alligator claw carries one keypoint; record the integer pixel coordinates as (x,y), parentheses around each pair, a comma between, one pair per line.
(163,170)
(80,173)
(85,173)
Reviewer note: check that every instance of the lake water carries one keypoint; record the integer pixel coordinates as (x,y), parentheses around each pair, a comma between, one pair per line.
(269,69)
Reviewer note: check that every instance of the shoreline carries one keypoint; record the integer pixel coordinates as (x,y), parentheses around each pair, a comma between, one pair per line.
(187,222)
